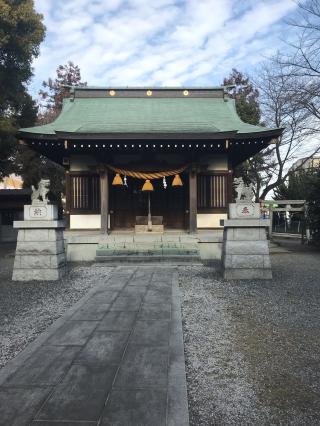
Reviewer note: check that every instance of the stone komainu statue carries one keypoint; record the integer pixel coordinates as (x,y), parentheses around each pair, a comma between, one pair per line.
(40,194)
(244,192)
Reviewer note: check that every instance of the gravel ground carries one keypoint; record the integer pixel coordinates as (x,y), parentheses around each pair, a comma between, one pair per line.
(27,309)
(252,348)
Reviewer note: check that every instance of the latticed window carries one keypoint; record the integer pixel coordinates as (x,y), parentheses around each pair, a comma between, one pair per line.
(85,193)
(212,191)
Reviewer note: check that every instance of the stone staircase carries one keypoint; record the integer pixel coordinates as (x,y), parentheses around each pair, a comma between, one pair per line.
(148,249)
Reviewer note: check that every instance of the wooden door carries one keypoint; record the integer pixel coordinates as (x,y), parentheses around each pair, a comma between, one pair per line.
(128,202)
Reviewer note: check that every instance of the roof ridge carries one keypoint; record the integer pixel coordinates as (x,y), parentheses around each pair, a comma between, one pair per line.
(73,88)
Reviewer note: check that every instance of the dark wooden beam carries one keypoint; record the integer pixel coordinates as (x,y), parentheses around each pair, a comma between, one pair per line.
(68,198)
(192,201)
(230,186)
(104,201)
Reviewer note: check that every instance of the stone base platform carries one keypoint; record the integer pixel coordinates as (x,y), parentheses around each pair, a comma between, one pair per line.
(245,253)
(148,250)
(82,246)
(40,253)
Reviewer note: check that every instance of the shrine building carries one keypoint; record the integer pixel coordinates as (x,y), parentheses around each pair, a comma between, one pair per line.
(122,147)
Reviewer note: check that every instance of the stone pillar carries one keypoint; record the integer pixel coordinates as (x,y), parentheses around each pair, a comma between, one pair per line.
(245,252)
(40,253)
(104,201)
(192,201)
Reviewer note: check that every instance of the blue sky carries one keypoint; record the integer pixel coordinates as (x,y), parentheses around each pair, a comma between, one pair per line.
(159,42)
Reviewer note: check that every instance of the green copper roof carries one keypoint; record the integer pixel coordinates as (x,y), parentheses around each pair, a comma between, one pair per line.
(146,115)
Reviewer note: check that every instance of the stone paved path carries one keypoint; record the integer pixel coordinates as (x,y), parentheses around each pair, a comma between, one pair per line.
(116,358)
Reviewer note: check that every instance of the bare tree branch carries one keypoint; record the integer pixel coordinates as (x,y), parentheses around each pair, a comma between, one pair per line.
(283,106)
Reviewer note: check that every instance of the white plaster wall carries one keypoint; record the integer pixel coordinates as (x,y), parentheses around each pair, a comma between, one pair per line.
(81,163)
(85,221)
(210,220)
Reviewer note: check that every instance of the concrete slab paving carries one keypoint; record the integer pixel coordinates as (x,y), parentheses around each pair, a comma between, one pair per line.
(103,348)
(118,321)
(151,333)
(27,402)
(80,395)
(116,358)
(47,367)
(143,367)
(145,407)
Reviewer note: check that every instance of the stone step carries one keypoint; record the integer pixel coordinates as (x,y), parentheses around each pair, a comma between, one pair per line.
(148,251)
(147,245)
(141,259)
(166,251)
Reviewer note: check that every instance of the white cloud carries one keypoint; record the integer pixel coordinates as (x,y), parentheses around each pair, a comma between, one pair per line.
(162,42)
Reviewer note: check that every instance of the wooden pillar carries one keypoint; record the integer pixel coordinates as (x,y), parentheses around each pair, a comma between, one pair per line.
(68,199)
(104,201)
(230,187)
(192,201)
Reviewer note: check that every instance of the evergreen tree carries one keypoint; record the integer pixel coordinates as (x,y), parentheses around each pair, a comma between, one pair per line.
(245,95)
(248,108)
(32,167)
(21,32)
(297,187)
(54,91)
(313,209)
(304,185)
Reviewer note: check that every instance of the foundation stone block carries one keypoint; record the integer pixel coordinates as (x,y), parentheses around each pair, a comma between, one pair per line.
(45,274)
(245,252)
(246,247)
(40,252)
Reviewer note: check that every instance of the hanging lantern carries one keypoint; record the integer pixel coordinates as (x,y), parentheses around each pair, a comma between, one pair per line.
(125,181)
(147,186)
(117,180)
(177,181)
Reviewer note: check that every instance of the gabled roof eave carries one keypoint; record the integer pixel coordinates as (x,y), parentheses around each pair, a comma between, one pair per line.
(232,135)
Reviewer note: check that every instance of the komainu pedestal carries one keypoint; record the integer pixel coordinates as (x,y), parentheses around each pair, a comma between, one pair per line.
(40,253)
(245,253)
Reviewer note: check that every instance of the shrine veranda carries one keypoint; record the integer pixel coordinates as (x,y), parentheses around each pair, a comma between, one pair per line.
(148,132)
